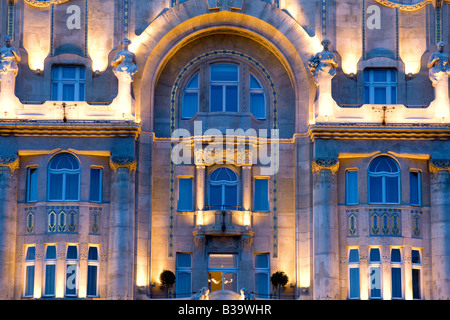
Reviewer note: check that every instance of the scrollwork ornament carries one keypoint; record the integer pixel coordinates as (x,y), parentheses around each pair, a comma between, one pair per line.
(129,162)
(325,170)
(44,4)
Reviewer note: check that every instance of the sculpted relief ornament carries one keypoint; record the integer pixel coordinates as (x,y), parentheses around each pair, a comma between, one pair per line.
(44,3)
(9,59)
(323,68)
(125,67)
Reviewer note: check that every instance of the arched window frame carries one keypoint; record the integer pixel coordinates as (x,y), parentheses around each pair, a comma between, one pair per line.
(223,185)
(65,172)
(203,70)
(383,175)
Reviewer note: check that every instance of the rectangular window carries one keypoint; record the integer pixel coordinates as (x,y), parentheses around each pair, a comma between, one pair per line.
(72,271)
(354,282)
(261,195)
(351,187)
(92,273)
(183,275)
(375,273)
(224,85)
(68,83)
(95,192)
(262,275)
(415,188)
(396,273)
(50,271)
(32,184)
(185,195)
(416,262)
(380,86)
(29,271)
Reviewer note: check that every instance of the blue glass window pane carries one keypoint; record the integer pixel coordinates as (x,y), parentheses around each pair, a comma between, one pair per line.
(392,190)
(231,98)
(68,92)
(183,284)
(396,255)
(416,283)
(353,256)
(30,253)
(367,76)
(380,95)
(55,73)
(254,84)
(93,254)
(69,72)
(64,161)
(415,256)
(414,180)
(261,195)
(183,260)
(72,253)
(375,255)
(383,164)
(352,189)
(393,75)
(190,105)
(376,193)
(50,253)
(231,196)
(366,95)
(32,186)
(193,83)
(354,283)
(50,275)
(81,92)
(71,279)
(375,282)
(224,72)
(54,91)
(92,281)
(185,195)
(95,186)
(72,186)
(262,285)
(396,276)
(56,186)
(379,75)
(262,261)
(223,174)
(216,98)
(29,289)
(393,95)
(258,105)
(215,196)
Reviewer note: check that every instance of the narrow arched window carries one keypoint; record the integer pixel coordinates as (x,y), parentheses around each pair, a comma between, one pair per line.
(384,181)
(64,178)
(223,189)
(257,99)
(190,98)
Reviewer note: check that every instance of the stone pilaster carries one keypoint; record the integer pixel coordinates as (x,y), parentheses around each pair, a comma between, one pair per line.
(8,203)
(440,235)
(325,228)
(121,228)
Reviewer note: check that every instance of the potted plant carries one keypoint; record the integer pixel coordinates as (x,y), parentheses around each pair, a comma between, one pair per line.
(167,279)
(279,279)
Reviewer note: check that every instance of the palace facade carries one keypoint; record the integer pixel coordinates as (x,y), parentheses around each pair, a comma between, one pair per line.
(225,141)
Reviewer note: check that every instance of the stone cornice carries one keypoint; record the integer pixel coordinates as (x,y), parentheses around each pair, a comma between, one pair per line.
(410,7)
(70,129)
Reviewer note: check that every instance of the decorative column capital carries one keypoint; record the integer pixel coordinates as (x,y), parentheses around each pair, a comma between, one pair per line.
(325,164)
(12,162)
(129,162)
(435,166)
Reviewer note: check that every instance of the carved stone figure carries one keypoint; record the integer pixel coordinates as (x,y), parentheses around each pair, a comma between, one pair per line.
(9,59)
(125,67)
(323,68)
(323,62)
(124,61)
(439,64)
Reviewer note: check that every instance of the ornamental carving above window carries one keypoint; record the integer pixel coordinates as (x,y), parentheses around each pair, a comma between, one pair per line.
(44,3)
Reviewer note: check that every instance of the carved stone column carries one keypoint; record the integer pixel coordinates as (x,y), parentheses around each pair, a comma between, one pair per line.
(440,230)
(8,203)
(121,228)
(325,228)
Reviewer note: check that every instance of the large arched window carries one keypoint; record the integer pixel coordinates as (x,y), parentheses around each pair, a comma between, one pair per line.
(223,189)
(384,181)
(228,86)
(64,178)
